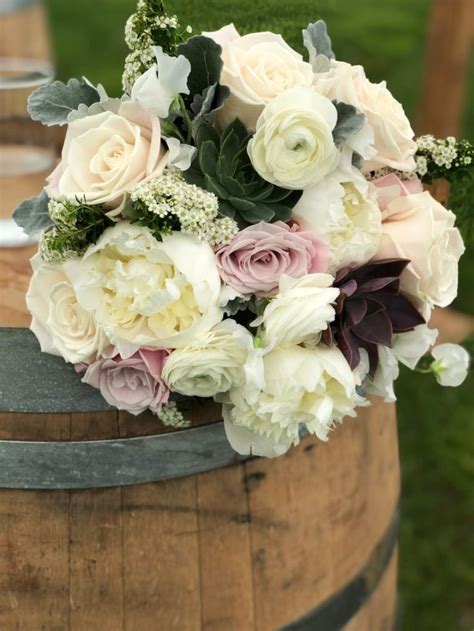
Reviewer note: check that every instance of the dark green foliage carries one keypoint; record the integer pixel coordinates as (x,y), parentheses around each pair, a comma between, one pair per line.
(223,167)
(138,213)
(77,225)
(204,55)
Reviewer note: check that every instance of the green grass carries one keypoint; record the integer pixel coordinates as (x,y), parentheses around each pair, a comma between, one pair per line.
(436,429)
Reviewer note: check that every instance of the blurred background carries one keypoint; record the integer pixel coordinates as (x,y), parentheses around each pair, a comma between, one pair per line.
(436,425)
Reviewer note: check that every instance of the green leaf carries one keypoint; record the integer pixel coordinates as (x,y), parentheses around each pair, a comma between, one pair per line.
(206,132)
(204,54)
(206,104)
(349,122)
(32,215)
(226,209)
(235,188)
(52,103)
(194,176)
(216,188)
(208,155)
(258,213)
(318,42)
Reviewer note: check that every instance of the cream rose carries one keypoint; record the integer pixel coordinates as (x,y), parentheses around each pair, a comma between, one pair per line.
(211,364)
(257,68)
(418,228)
(146,293)
(310,388)
(342,210)
(393,136)
(293,146)
(301,310)
(61,325)
(107,153)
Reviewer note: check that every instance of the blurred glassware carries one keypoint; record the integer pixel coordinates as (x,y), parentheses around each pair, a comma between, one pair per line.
(25,65)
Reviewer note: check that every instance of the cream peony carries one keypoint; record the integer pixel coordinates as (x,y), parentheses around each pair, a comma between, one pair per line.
(146,293)
(293,146)
(419,228)
(342,210)
(303,388)
(105,154)
(257,68)
(61,325)
(301,310)
(211,364)
(393,136)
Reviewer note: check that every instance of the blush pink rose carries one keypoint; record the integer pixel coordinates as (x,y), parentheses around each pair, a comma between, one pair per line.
(390,187)
(256,258)
(134,384)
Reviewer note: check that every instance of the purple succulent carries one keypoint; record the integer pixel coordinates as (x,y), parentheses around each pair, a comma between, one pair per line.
(370,309)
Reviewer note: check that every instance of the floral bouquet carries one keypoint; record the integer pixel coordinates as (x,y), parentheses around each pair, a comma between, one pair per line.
(242,224)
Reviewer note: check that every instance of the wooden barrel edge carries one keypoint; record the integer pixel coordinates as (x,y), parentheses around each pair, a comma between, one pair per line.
(339,609)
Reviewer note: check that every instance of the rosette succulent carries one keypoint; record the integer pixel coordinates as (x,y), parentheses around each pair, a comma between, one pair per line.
(223,167)
(369,310)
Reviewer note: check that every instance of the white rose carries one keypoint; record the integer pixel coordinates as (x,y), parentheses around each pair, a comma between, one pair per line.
(342,210)
(61,325)
(393,135)
(211,364)
(257,68)
(419,228)
(158,87)
(293,146)
(148,293)
(309,388)
(301,310)
(451,364)
(105,154)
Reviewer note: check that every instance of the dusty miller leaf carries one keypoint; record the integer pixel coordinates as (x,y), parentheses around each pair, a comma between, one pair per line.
(204,105)
(349,122)
(51,104)
(32,215)
(318,44)
(204,54)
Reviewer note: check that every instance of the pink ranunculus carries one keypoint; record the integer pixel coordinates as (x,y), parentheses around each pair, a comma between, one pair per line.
(134,384)
(259,255)
(390,187)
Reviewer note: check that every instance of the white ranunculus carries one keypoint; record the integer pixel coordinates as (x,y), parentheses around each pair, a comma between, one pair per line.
(410,347)
(257,68)
(419,228)
(293,146)
(451,365)
(104,155)
(342,210)
(61,325)
(148,293)
(301,310)
(393,136)
(158,87)
(303,388)
(388,371)
(213,363)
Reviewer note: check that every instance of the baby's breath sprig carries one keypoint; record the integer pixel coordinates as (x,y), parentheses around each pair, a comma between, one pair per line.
(447,158)
(169,203)
(76,226)
(150,26)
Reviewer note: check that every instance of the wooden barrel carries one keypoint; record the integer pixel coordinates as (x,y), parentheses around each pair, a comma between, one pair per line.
(24,30)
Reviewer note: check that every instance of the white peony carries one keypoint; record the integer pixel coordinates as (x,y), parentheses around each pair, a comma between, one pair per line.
(59,322)
(211,364)
(451,365)
(159,86)
(144,292)
(301,310)
(257,68)
(393,136)
(419,228)
(293,146)
(342,210)
(303,388)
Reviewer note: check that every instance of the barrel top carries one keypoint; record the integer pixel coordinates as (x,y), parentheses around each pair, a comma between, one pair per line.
(10,6)
(36,382)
